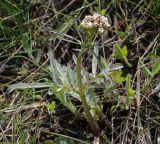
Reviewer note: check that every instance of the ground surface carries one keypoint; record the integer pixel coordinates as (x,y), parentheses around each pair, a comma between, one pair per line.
(37,37)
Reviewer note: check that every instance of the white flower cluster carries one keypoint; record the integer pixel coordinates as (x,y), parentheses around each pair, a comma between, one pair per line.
(96,21)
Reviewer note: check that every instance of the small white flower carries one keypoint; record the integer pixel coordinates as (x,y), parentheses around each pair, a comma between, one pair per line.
(90,24)
(100,30)
(96,24)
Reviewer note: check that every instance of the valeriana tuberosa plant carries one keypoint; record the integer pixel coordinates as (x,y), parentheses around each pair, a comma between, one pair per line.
(93,26)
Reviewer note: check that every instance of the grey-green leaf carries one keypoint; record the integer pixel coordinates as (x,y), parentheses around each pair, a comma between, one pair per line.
(27,85)
(94,59)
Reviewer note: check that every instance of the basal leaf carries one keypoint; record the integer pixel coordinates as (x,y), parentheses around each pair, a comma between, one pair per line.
(27,85)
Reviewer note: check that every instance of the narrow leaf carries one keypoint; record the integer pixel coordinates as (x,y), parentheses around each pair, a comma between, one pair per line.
(155,68)
(124,51)
(118,53)
(146,71)
(94,59)
(129,91)
(26,44)
(27,85)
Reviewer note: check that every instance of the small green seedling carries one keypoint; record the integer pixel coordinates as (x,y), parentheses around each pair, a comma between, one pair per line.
(121,53)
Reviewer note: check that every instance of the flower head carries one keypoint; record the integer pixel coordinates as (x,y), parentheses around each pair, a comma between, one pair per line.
(96,21)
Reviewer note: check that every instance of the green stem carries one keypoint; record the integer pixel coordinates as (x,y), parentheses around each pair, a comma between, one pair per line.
(126,61)
(92,122)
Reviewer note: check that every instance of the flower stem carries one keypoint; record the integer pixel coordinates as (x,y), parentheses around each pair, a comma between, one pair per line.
(91,121)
